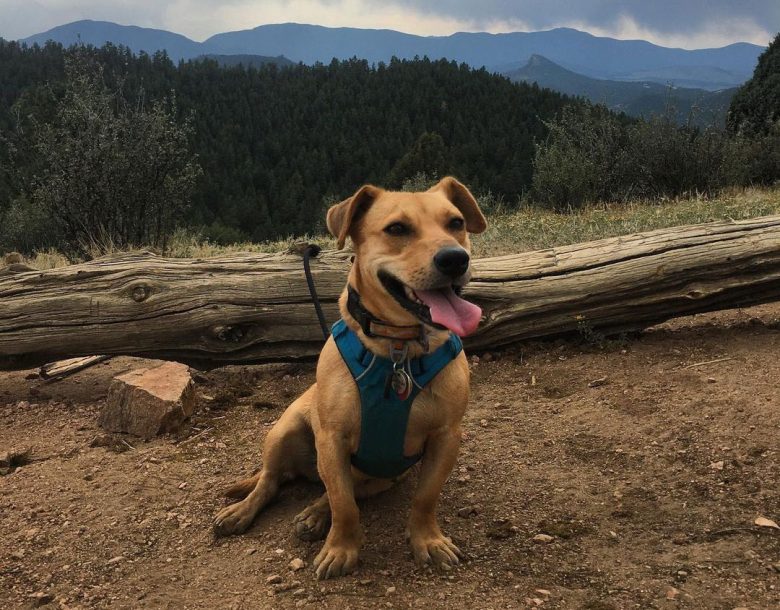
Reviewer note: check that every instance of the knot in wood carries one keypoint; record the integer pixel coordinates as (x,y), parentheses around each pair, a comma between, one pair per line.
(140,293)
(232,334)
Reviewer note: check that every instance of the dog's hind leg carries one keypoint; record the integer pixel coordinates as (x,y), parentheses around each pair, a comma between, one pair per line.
(313,522)
(287,453)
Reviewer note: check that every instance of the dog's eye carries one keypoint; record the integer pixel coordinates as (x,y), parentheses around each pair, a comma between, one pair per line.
(397,229)
(456,224)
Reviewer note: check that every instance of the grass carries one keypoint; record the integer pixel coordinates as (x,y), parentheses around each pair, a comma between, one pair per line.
(526,228)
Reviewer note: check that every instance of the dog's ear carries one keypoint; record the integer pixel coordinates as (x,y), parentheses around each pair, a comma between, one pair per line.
(342,216)
(462,199)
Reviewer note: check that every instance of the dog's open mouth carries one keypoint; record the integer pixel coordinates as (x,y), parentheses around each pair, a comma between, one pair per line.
(440,307)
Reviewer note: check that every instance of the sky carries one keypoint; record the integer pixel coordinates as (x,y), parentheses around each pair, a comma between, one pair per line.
(689,24)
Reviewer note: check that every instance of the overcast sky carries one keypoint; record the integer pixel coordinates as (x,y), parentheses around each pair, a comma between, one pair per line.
(680,23)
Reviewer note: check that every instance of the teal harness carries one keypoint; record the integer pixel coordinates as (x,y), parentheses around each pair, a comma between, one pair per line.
(383,414)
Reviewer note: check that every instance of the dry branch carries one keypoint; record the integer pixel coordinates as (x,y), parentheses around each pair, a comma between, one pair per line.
(256,307)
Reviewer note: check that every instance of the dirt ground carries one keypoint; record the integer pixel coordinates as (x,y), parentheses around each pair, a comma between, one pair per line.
(646,484)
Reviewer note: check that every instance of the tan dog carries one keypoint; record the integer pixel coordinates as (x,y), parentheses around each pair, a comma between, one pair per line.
(411,251)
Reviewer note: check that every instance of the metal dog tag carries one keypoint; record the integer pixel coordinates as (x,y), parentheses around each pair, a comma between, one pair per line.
(401,383)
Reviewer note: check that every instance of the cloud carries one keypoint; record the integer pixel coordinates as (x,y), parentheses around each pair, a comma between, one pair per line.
(689,23)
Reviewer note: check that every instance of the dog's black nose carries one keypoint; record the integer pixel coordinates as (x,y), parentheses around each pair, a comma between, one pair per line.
(452,261)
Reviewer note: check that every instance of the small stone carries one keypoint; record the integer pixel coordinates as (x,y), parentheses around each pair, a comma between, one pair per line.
(469,511)
(598,382)
(717,465)
(672,593)
(483,423)
(114,560)
(31,376)
(89,476)
(711,380)
(299,592)
(776,567)
(279,551)
(543,539)
(41,598)
(475,359)
(297,564)
(251,551)
(183,485)
(365,582)
(501,529)
(537,601)
(274,579)
(390,591)
(543,592)
(148,402)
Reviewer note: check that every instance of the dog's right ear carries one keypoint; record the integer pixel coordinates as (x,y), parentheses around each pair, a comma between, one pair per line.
(343,216)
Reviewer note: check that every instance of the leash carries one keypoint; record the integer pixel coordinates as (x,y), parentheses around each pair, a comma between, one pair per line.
(313,250)
(371,325)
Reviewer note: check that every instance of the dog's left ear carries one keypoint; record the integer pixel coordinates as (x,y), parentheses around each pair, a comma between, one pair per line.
(342,216)
(462,199)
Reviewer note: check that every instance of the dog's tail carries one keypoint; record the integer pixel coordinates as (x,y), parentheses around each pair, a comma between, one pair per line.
(243,488)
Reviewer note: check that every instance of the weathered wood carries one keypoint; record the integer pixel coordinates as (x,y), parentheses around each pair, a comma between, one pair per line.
(54,371)
(256,307)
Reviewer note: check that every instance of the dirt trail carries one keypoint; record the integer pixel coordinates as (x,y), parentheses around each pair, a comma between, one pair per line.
(648,485)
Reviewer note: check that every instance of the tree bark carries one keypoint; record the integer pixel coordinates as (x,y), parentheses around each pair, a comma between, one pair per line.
(256,307)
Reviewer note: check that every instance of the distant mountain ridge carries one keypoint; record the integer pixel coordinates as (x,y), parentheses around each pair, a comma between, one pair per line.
(636,98)
(597,57)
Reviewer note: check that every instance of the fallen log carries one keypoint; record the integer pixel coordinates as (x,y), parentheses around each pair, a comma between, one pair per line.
(256,307)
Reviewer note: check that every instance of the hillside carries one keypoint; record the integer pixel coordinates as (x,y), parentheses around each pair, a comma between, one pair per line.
(634,98)
(581,52)
(277,145)
(254,61)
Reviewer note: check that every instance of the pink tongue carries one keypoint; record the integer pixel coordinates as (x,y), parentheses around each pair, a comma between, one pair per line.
(449,310)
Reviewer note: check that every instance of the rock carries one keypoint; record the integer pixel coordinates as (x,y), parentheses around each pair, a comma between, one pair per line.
(299,592)
(13,459)
(297,564)
(390,591)
(717,465)
(274,579)
(501,529)
(469,511)
(543,539)
(543,592)
(672,593)
(148,402)
(116,559)
(251,551)
(32,376)
(598,382)
(41,598)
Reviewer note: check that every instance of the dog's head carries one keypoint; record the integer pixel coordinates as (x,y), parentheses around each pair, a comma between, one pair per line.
(412,252)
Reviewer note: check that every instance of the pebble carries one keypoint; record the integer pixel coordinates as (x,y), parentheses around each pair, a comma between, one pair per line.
(299,592)
(469,511)
(543,538)
(41,598)
(718,465)
(274,579)
(114,560)
(390,591)
(672,593)
(297,564)
(598,382)
(251,551)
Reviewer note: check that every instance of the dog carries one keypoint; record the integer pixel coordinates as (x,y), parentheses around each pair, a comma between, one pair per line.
(400,309)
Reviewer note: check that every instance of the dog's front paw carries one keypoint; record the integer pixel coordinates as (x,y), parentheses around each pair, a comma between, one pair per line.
(233,519)
(336,559)
(434,548)
(312,523)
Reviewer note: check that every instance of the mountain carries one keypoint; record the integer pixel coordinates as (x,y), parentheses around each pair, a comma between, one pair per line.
(641,98)
(597,57)
(254,61)
(138,39)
